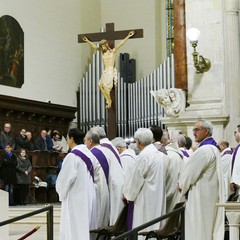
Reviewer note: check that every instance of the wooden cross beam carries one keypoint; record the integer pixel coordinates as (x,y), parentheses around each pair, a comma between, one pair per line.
(110,35)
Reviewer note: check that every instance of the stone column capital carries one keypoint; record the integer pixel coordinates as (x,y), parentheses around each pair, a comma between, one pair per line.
(233,218)
(232,5)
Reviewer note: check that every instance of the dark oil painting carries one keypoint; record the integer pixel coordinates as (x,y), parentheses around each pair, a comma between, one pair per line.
(11,52)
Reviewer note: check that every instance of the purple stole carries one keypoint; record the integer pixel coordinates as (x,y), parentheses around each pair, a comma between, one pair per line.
(102,160)
(130,215)
(208,141)
(87,161)
(109,146)
(184,153)
(227,152)
(234,156)
(127,155)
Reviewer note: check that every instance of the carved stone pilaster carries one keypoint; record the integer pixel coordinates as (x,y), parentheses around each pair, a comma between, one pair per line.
(233,215)
(232,63)
(231,5)
(233,218)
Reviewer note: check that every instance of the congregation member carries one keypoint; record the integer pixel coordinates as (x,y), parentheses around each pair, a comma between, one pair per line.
(21,140)
(157,136)
(145,186)
(24,169)
(30,145)
(235,164)
(59,142)
(42,142)
(7,136)
(76,190)
(104,178)
(127,155)
(117,181)
(175,165)
(8,171)
(226,159)
(201,182)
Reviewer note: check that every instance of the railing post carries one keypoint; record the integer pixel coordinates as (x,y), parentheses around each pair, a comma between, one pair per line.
(134,236)
(183,224)
(50,223)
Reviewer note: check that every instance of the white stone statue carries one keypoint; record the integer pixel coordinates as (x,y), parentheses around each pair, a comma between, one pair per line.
(173,100)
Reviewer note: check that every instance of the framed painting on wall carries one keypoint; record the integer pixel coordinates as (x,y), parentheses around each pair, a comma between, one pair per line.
(11,52)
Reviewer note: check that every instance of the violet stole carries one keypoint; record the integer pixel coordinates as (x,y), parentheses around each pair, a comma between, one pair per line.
(109,146)
(87,161)
(102,160)
(234,156)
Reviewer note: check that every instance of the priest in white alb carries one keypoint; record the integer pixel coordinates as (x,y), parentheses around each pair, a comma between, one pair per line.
(145,186)
(116,177)
(201,182)
(76,190)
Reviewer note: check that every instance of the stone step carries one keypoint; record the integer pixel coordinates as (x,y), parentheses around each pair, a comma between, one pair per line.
(21,227)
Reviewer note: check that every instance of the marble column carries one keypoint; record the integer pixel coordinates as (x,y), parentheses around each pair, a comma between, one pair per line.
(232,63)
(233,215)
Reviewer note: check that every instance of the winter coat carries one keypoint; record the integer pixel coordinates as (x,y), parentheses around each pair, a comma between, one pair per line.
(22,166)
(8,169)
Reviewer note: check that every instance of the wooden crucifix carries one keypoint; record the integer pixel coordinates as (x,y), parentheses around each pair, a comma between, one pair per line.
(110,35)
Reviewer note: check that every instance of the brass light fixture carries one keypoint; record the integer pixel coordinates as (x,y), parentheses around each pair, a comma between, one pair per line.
(200,63)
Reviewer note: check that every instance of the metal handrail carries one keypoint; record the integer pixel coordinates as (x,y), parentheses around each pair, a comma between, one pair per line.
(133,234)
(48,209)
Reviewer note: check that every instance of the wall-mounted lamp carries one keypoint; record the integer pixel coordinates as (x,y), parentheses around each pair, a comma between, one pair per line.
(200,63)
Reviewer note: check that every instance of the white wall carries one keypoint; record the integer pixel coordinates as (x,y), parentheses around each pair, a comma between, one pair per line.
(54,60)
(138,14)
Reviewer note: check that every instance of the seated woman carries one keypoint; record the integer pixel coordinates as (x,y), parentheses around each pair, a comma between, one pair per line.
(24,169)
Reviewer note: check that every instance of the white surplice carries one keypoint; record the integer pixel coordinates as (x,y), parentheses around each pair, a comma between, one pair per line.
(235,178)
(102,194)
(226,160)
(115,181)
(145,186)
(76,191)
(176,164)
(128,159)
(202,179)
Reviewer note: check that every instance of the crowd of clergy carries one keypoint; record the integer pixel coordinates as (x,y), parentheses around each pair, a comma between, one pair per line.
(99,176)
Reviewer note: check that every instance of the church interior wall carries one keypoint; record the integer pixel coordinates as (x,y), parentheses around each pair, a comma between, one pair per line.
(208,86)
(54,61)
(148,51)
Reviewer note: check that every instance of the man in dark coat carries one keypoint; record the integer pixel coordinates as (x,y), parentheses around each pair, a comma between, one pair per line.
(8,170)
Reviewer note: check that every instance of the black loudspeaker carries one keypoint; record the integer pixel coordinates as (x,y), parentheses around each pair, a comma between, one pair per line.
(127,68)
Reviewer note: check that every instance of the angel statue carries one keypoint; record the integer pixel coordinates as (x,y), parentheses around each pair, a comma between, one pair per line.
(173,100)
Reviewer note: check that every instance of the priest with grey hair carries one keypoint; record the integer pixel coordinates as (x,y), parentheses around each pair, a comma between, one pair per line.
(115,168)
(145,186)
(127,155)
(201,182)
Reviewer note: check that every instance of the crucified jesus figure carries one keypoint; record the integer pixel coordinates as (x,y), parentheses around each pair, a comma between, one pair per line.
(109,75)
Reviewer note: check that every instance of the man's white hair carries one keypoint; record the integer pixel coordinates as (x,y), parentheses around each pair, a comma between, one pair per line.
(119,142)
(101,132)
(144,136)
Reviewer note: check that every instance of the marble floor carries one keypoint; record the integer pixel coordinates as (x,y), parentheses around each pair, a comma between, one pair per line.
(22,227)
